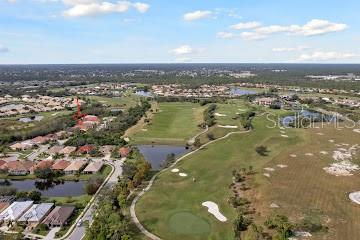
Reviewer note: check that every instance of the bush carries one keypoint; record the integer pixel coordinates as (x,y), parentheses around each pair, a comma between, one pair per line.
(93,184)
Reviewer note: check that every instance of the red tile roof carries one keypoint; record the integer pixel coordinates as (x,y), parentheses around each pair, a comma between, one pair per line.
(124,151)
(61,165)
(85,149)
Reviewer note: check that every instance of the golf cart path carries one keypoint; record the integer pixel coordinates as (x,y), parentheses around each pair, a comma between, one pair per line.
(136,199)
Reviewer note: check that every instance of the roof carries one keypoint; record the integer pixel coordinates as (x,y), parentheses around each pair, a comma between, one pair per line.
(75,166)
(36,213)
(4,205)
(15,210)
(91,118)
(124,151)
(18,165)
(68,150)
(42,164)
(40,139)
(94,167)
(60,165)
(2,162)
(59,215)
(85,149)
(55,149)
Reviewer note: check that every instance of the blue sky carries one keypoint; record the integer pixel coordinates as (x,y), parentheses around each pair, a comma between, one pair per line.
(156,31)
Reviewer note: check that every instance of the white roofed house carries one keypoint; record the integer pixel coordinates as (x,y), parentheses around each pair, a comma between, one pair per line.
(15,210)
(33,216)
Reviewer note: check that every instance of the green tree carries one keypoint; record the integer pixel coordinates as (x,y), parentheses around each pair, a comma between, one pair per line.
(34,196)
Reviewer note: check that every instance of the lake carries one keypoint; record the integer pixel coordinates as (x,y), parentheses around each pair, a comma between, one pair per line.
(311,115)
(156,154)
(68,188)
(241,91)
(143,94)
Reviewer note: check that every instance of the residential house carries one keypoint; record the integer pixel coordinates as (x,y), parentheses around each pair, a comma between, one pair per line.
(40,140)
(35,214)
(86,149)
(4,205)
(75,167)
(55,150)
(17,168)
(2,162)
(28,144)
(59,216)
(41,165)
(15,210)
(68,150)
(124,151)
(60,165)
(265,101)
(93,167)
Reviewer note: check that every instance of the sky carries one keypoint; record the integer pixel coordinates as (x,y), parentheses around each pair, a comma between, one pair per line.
(170,31)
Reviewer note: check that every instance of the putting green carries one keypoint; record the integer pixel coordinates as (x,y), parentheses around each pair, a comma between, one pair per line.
(188,223)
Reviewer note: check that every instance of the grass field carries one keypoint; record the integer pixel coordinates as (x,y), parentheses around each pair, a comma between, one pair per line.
(211,167)
(125,101)
(173,123)
(170,208)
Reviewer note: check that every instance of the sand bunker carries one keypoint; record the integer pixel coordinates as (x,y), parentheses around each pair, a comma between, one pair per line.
(182,174)
(144,129)
(214,210)
(282,128)
(220,115)
(293,155)
(331,140)
(175,170)
(269,169)
(227,126)
(343,165)
(309,154)
(266,174)
(321,134)
(324,152)
(357,130)
(285,136)
(355,197)
(282,166)
(274,205)
(282,132)
(302,234)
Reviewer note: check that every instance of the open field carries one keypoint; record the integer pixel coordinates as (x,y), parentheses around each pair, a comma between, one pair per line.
(173,123)
(173,204)
(124,102)
(173,197)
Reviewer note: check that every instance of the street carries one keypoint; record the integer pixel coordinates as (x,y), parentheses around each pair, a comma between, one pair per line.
(79,231)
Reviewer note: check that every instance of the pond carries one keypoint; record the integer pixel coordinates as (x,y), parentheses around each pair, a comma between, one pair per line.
(156,154)
(311,115)
(31,119)
(143,93)
(241,92)
(50,189)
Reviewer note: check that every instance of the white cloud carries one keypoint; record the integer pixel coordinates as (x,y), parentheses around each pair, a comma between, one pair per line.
(324,56)
(290,49)
(311,28)
(89,8)
(225,35)
(3,49)
(141,7)
(182,50)
(192,16)
(250,36)
(246,25)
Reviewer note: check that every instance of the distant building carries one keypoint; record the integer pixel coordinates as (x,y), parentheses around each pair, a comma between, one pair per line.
(17,168)
(41,165)
(124,151)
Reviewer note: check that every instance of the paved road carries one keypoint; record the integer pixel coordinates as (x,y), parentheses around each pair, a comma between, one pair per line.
(79,232)
(37,152)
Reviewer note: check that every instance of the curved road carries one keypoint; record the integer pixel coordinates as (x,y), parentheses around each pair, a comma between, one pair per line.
(136,199)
